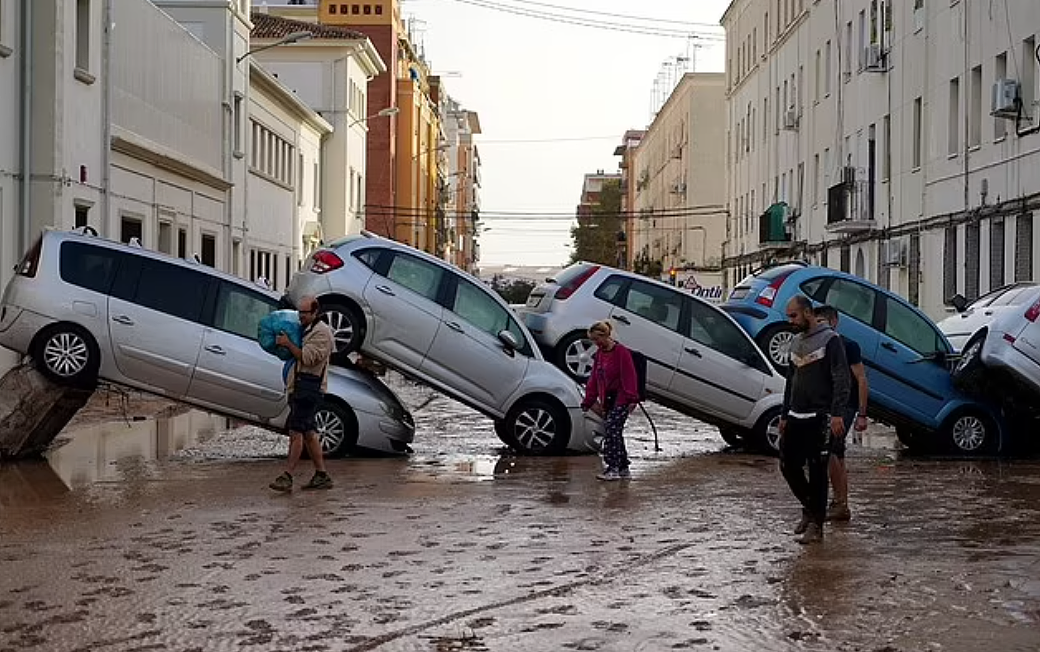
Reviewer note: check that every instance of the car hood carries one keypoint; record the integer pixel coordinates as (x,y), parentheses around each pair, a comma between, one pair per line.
(358,376)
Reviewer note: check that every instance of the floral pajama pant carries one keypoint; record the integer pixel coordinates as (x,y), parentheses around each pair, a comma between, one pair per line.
(615,456)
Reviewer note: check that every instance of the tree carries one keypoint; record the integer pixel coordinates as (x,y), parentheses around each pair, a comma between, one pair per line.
(512,290)
(595,236)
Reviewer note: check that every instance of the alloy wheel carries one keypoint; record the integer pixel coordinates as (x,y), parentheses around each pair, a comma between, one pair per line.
(968,433)
(66,354)
(968,356)
(535,428)
(578,357)
(773,433)
(780,346)
(342,329)
(331,430)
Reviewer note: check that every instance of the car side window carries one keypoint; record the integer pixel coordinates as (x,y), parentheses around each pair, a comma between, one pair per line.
(415,274)
(609,289)
(715,331)
(852,299)
(1013,297)
(171,289)
(88,266)
(911,329)
(484,313)
(369,257)
(659,305)
(239,310)
(813,287)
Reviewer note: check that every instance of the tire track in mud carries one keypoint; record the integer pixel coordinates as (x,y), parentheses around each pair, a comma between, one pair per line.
(604,577)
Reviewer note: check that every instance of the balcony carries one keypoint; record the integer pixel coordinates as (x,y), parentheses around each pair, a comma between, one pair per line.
(849,206)
(772,228)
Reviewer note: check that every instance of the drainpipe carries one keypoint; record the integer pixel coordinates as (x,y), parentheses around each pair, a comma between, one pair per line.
(106,116)
(25,189)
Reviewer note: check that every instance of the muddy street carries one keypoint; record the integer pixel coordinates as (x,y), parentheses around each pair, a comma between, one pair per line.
(161,535)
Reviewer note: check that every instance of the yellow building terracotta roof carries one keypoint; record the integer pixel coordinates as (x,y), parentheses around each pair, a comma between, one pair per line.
(275,27)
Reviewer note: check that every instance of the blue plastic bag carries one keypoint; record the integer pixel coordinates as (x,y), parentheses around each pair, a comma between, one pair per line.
(286,370)
(287,321)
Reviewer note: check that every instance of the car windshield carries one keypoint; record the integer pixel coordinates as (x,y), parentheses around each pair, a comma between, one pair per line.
(771,273)
(569,274)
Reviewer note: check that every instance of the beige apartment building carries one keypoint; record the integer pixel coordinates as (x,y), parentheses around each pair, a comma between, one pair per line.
(677,173)
(899,141)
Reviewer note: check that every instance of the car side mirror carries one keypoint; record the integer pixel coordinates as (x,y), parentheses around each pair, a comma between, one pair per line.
(508,340)
(959,303)
(940,358)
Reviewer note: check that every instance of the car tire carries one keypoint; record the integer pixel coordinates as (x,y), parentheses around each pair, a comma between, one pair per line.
(536,427)
(348,327)
(970,432)
(732,436)
(766,435)
(337,428)
(776,343)
(505,436)
(969,371)
(68,355)
(913,440)
(574,356)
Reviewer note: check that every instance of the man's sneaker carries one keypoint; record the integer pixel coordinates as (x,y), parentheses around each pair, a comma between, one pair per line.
(282,483)
(838,512)
(625,474)
(803,524)
(610,475)
(321,480)
(813,534)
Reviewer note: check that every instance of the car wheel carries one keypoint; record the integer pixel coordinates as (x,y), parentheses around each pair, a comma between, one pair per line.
(68,355)
(505,435)
(538,427)
(337,429)
(348,327)
(967,374)
(913,440)
(574,356)
(971,433)
(776,342)
(732,436)
(767,432)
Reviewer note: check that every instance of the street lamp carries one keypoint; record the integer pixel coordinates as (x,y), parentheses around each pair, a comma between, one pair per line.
(383,113)
(295,37)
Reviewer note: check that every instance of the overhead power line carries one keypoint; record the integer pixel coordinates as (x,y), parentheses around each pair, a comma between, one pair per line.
(706,210)
(647,30)
(593,12)
(573,139)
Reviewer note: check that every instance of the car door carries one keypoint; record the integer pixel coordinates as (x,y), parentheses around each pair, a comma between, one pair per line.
(155,322)
(233,372)
(714,374)
(859,306)
(912,375)
(403,298)
(646,318)
(467,353)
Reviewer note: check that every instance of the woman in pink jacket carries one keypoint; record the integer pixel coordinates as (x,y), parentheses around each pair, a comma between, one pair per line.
(613,393)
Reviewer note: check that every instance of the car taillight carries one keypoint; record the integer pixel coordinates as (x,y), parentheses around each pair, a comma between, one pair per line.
(31,262)
(768,295)
(1034,311)
(572,287)
(325,261)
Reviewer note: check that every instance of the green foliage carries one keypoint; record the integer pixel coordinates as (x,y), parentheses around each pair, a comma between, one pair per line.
(513,291)
(595,236)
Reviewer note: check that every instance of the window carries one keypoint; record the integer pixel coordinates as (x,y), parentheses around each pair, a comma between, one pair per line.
(355,9)
(972,261)
(659,305)
(83,35)
(817,182)
(299,181)
(609,289)
(827,70)
(379,10)
(950,264)
(996,253)
(417,275)
(1024,247)
(886,155)
(862,49)
(818,82)
(239,310)
(1028,81)
(918,138)
(813,288)
(271,154)
(316,180)
(130,228)
(847,63)
(166,237)
(708,326)
(82,215)
(975,110)
(483,312)
(88,266)
(914,291)
(852,299)
(954,114)
(236,257)
(209,249)
(370,257)
(911,329)
(368,10)
(1015,296)
(185,303)
(1000,72)
(238,126)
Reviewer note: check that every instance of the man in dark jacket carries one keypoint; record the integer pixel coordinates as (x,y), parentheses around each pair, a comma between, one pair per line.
(815,397)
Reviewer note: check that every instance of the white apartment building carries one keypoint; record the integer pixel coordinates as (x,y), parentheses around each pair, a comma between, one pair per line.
(282,213)
(894,140)
(678,175)
(330,73)
(462,184)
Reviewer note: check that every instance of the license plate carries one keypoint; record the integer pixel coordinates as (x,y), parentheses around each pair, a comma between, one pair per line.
(738,293)
(533,300)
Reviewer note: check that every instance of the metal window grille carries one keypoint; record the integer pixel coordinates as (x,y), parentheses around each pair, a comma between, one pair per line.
(972,255)
(914,265)
(996,254)
(950,264)
(1024,247)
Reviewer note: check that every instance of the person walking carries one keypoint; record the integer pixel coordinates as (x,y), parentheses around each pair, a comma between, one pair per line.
(855,416)
(815,396)
(613,393)
(306,385)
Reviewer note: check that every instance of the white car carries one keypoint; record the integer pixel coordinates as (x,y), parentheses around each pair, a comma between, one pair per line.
(436,323)
(970,319)
(1008,345)
(699,360)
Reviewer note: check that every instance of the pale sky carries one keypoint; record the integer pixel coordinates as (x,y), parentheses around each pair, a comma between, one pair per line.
(534,79)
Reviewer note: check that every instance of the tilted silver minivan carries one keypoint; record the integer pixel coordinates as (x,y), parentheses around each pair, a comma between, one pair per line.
(85,308)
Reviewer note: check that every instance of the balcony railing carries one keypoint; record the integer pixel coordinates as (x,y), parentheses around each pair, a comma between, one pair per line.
(772,226)
(849,207)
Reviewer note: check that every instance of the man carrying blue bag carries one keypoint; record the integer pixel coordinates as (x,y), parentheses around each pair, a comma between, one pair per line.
(306,383)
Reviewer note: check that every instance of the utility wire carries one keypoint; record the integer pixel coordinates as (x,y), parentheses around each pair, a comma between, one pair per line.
(612,15)
(481,143)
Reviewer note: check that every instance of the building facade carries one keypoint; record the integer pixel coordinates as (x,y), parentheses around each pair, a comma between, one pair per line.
(330,73)
(285,151)
(461,187)
(894,140)
(627,150)
(679,174)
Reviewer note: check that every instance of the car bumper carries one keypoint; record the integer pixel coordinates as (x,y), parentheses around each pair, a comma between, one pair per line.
(377,432)
(998,353)
(18,327)
(305,284)
(587,434)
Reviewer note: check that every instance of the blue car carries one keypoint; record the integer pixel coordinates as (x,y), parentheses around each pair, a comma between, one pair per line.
(906,356)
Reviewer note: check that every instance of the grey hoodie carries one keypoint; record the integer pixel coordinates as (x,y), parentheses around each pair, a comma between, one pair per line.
(818,375)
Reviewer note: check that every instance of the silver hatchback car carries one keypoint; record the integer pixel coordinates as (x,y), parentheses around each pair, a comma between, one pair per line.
(700,361)
(87,308)
(433,322)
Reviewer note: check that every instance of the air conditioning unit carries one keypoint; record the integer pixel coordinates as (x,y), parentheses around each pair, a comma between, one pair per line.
(875,58)
(791,119)
(1005,99)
